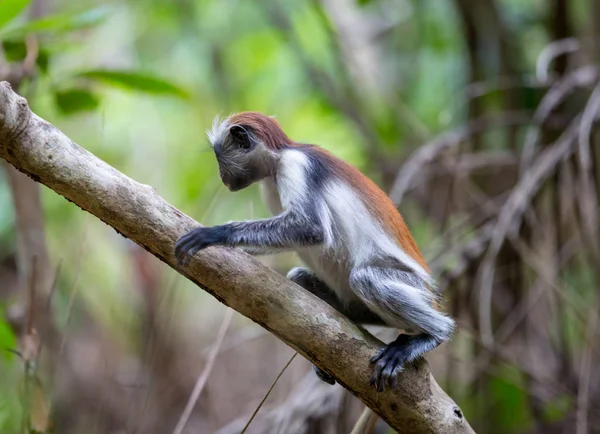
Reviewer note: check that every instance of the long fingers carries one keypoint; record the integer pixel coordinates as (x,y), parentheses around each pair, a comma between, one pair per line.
(389,362)
(188,245)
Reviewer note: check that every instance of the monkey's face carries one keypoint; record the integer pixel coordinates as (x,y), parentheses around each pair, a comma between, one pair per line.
(242,158)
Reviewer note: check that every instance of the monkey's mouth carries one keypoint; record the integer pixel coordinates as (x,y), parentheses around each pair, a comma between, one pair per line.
(234,183)
(232,179)
(225,178)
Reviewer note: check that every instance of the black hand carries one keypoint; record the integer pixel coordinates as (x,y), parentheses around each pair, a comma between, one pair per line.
(192,242)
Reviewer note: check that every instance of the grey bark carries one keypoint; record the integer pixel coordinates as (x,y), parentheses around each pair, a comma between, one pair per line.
(302,321)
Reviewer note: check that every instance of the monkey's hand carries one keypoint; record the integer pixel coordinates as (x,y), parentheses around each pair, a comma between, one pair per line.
(195,240)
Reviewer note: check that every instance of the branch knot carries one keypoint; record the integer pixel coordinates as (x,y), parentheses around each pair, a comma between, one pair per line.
(15,116)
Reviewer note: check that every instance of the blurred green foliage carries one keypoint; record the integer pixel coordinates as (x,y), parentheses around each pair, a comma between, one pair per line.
(138,83)
(10,9)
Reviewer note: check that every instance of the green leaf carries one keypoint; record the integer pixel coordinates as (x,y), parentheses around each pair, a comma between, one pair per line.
(14,50)
(42,61)
(76,100)
(135,81)
(558,408)
(9,9)
(7,340)
(510,401)
(59,23)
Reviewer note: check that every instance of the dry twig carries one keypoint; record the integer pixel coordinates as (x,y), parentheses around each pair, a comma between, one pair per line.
(205,373)
(551,52)
(509,218)
(427,153)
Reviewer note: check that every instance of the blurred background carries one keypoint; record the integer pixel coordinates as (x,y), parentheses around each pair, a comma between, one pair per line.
(478,117)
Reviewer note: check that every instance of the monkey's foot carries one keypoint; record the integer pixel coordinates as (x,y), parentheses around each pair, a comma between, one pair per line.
(324,376)
(389,362)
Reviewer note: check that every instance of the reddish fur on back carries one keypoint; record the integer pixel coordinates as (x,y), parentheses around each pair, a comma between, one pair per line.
(270,133)
(378,203)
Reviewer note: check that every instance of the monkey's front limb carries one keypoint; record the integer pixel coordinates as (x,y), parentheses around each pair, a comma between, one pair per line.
(289,230)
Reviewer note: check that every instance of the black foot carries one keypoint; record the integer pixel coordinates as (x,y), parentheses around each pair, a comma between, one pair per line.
(324,375)
(389,362)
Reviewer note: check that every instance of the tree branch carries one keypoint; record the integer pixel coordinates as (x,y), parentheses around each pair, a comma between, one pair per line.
(305,323)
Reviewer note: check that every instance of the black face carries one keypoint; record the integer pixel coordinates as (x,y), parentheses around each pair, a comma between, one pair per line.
(239,164)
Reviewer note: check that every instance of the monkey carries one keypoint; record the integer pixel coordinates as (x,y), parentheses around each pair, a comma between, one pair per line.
(361,258)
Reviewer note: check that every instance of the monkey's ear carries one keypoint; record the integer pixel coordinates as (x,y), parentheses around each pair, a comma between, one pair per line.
(241,136)
(238,131)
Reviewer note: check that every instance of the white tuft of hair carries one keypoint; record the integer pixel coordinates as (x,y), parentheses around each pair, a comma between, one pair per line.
(218,130)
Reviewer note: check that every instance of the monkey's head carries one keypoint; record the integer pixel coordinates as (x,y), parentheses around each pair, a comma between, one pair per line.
(246,146)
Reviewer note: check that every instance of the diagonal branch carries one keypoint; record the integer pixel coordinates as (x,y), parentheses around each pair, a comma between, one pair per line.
(305,323)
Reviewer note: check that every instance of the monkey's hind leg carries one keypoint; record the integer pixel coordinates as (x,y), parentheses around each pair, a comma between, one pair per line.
(402,299)
(359,314)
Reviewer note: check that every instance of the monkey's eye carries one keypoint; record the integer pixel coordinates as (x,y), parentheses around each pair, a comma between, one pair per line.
(242,139)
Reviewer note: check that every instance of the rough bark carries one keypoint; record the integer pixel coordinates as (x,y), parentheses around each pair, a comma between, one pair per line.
(305,323)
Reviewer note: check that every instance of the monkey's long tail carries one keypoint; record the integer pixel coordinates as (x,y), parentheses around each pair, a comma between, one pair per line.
(366,422)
